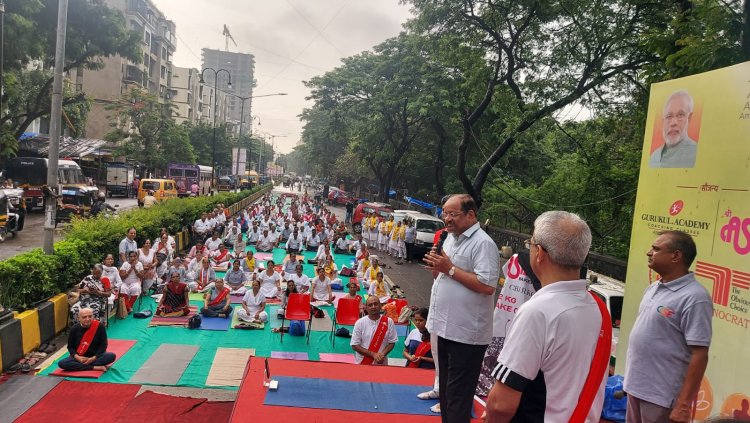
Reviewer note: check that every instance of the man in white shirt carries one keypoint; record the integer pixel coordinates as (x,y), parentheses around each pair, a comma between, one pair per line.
(231,236)
(265,243)
(202,227)
(253,235)
(364,330)
(312,241)
(466,272)
(295,243)
(213,243)
(549,349)
(342,245)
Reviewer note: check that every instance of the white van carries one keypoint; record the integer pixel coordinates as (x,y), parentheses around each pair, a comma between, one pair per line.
(426,226)
(612,292)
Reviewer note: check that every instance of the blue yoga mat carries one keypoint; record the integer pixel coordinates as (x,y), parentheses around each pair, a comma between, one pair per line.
(350,396)
(215,323)
(401,330)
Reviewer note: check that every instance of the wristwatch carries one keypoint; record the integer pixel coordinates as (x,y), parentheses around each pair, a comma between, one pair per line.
(452,271)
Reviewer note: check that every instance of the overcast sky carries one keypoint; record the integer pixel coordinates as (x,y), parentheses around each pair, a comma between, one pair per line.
(292,41)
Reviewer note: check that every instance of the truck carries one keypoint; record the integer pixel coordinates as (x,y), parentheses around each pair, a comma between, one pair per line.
(120,179)
(30,174)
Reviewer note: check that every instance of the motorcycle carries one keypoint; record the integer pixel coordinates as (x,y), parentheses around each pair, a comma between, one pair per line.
(12,212)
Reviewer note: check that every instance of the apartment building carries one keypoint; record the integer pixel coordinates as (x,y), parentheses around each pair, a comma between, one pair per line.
(119,75)
(241,66)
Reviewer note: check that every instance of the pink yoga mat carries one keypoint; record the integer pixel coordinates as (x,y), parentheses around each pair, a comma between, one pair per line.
(337,358)
(287,355)
(117,346)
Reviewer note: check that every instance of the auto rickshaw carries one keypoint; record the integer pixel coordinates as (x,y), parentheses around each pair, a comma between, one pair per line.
(12,212)
(76,201)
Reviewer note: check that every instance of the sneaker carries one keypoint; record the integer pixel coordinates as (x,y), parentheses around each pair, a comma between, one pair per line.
(428,395)
(435,408)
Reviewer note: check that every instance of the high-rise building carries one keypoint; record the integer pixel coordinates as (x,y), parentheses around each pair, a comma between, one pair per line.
(119,75)
(241,66)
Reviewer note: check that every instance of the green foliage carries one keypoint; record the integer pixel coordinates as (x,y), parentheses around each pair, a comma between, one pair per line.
(31,277)
(31,25)
(149,132)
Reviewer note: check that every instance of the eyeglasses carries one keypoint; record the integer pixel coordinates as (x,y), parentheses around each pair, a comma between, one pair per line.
(452,215)
(680,117)
(528,243)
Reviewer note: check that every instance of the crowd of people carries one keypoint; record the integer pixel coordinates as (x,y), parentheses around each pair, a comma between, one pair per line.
(548,355)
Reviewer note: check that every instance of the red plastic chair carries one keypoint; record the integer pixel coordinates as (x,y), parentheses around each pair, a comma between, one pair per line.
(298,308)
(346,313)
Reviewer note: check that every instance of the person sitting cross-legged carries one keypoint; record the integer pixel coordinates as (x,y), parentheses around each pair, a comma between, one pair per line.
(87,345)
(174,301)
(253,306)
(374,336)
(217,302)
(235,278)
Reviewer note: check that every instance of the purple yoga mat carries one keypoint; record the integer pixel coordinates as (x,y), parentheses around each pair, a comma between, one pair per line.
(286,355)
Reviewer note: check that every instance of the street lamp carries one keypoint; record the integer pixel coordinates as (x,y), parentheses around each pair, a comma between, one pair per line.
(216,106)
(242,111)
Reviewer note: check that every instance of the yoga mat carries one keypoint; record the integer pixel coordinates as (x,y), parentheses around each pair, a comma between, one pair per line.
(215,323)
(20,392)
(323,324)
(396,362)
(288,355)
(401,330)
(236,321)
(337,394)
(263,256)
(116,346)
(81,402)
(155,407)
(337,358)
(229,366)
(166,365)
(195,296)
(173,321)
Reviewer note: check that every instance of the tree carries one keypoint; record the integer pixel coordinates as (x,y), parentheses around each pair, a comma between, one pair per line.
(32,25)
(544,56)
(147,132)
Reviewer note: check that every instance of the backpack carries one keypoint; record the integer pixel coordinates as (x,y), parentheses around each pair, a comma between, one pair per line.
(195,322)
(297,328)
(405,315)
(343,332)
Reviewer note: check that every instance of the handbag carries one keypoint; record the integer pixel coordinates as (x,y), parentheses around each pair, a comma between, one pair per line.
(122,308)
(195,322)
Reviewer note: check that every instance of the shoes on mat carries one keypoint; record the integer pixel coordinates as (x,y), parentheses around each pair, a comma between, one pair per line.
(428,395)
(435,408)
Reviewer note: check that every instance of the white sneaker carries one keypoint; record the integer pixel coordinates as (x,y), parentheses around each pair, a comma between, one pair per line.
(428,395)
(435,408)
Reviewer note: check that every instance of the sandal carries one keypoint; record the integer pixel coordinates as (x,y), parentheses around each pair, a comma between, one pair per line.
(13,369)
(25,368)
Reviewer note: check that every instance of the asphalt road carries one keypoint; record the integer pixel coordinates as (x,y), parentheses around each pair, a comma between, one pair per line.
(33,230)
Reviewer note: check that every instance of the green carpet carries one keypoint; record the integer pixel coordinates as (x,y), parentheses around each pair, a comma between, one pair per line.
(264,341)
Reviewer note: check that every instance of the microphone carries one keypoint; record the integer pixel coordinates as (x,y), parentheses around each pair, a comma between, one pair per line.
(439,247)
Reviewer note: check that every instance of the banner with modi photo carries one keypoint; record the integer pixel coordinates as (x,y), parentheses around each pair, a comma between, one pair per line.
(702,187)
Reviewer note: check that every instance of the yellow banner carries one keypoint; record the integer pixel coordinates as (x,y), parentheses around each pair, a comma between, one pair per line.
(701,187)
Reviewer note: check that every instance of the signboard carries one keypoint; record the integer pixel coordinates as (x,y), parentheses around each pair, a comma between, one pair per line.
(702,188)
(239,161)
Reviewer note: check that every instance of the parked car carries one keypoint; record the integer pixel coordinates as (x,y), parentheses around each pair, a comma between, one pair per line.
(339,197)
(383,210)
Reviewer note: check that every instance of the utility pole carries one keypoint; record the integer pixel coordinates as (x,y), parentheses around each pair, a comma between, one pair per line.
(55,120)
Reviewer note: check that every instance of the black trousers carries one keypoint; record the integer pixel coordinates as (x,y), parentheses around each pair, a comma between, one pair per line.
(459,367)
(409,250)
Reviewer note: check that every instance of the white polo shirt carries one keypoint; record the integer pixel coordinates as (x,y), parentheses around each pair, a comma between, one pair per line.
(548,351)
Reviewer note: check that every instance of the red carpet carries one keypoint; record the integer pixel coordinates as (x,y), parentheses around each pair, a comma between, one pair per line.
(153,407)
(252,392)
(210,412)
(81,402)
